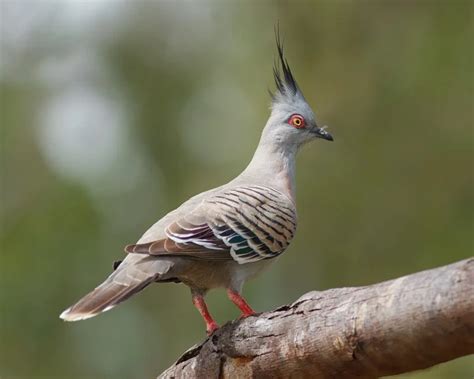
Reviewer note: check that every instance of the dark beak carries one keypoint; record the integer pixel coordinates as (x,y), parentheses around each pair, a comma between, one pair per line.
(322,133)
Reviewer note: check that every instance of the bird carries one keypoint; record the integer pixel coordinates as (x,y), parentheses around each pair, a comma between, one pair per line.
(224,236)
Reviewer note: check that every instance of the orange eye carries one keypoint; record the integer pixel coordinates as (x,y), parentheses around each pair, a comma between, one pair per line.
(297,121)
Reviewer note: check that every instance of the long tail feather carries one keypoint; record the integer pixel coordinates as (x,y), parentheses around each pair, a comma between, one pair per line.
(101,299)
(133,275)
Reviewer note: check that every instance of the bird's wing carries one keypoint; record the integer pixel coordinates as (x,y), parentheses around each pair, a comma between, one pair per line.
(244,223)
(185,239)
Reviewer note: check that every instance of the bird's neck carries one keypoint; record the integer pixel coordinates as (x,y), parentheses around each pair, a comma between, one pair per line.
(273,165)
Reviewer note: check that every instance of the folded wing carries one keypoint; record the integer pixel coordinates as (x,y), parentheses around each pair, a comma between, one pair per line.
(247,224)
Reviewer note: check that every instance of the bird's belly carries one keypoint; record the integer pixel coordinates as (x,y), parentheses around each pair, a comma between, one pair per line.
(206,275)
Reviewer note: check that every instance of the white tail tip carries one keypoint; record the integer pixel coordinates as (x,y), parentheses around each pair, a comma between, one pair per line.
(66,316)
(77,316)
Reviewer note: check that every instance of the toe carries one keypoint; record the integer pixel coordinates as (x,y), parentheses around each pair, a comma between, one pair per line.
(247,314)
(211,328)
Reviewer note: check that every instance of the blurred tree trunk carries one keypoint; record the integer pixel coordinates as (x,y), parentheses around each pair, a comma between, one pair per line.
(388,328)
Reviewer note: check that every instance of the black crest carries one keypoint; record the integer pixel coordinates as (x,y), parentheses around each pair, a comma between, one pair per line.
(284,80)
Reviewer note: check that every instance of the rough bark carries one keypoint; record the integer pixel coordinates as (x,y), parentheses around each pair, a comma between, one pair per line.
(388,328)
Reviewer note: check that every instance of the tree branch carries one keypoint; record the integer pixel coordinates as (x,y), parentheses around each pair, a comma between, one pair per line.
(388,328)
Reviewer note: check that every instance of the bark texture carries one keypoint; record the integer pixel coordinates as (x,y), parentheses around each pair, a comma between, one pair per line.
(388,328)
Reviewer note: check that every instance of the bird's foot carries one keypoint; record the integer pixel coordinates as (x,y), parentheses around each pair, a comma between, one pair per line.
(238,300)
(249,312)
(211,327)
(200,304)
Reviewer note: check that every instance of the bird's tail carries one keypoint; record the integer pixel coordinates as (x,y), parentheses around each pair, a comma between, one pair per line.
(128,279)
(101,299)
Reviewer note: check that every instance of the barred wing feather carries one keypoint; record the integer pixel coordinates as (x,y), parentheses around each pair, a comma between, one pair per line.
(246,223)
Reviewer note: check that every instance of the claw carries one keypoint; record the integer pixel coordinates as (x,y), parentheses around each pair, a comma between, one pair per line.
(211,328)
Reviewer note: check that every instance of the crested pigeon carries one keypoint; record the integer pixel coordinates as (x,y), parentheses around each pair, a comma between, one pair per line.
(224,236)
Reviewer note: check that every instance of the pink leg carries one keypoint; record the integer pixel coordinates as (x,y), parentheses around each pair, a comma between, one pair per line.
(238,300)
(201,306)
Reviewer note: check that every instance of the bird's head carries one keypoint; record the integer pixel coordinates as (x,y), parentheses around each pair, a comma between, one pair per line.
(292,121)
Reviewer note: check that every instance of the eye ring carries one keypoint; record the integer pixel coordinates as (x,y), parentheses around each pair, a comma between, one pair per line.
(297,121)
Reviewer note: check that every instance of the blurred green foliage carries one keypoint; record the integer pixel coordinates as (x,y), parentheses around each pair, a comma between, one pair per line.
(392,195)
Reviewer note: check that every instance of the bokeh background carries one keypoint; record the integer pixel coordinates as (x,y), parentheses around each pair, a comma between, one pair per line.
(114,112)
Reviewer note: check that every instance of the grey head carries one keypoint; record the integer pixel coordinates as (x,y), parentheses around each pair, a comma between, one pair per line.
(292,122)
